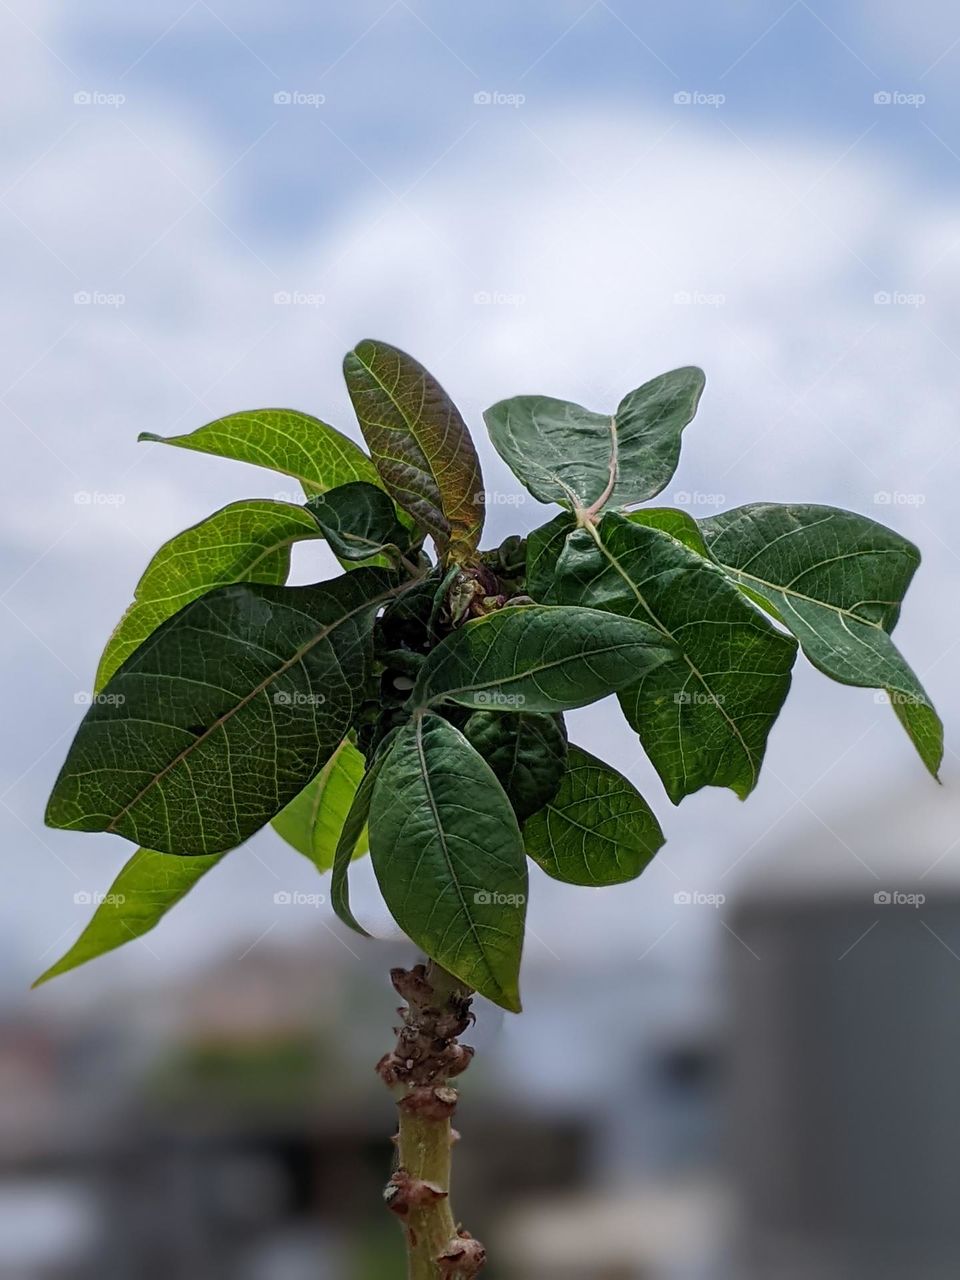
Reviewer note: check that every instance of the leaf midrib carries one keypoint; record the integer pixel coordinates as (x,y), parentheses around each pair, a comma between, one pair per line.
(261,687)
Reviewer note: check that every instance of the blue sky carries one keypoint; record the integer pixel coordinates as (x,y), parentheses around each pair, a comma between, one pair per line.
(578,233)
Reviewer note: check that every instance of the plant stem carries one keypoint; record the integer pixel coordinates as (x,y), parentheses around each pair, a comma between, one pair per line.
(418,1072)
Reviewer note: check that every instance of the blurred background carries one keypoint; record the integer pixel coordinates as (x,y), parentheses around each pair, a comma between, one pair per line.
(744,1064)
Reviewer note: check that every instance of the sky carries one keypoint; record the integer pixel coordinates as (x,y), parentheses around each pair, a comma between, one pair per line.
(205,205)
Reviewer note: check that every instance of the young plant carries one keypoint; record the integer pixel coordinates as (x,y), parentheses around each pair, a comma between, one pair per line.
(417,702)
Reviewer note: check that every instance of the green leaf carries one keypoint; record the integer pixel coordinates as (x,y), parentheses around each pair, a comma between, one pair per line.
(528,754)
(703,717)
(359,521)
(448,856)
(567,454)
(313,820)
(244,542)
(544,547)
(293,443)
(223,716)
(836,580)
(142,894)
(539,658)
(597,829)
(678,524)
(420,444)
(353,827)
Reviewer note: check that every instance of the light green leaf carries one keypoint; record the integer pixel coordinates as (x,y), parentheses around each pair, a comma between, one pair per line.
(313,821)
(836,580)
(539,658)
(359,521)
(597,829)
(223,716)
(567,454)
(142,894)
(703,716)
(295,444)
(528,753)
(678,524)
(448,856)
(244,542)
(420,444)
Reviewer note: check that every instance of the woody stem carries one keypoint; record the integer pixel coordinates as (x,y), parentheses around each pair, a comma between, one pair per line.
(418,1072)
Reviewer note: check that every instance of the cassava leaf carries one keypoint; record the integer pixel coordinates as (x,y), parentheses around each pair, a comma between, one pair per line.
(244,542)
(312,821)
(142,894)
(596,830)
(448,856)
(703,716)
(540,658)
(567,454)
(295,444)
(836,580)
(420,444)
(223,716)
(528,754)
(359,521)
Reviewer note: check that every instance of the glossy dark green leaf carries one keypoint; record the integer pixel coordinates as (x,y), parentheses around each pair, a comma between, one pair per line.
(540,658)
(359,521)
(597,829)
(528,753)
(544,546)
(449,859)
(351,839)
(244,542)
(295,444)
(704,715)
(142,894)
(420,444)
(836,580)
(679,524)
(223,716)
(567,454)
(312,821)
